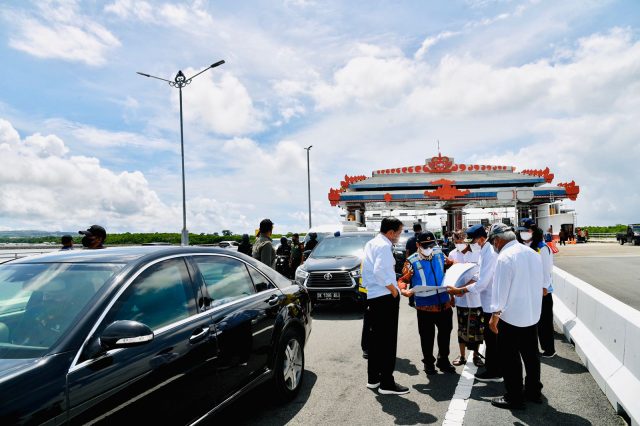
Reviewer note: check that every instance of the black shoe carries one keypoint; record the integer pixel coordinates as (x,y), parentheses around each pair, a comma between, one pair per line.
(446,367)
(502,402)
(485,376)
(395,389)
(430,369)
(365,354)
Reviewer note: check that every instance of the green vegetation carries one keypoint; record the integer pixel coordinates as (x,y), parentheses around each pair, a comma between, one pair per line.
(605,229)
(140,238)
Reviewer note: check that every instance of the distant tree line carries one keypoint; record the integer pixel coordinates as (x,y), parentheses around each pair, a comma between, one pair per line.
(605,229)
(129,238)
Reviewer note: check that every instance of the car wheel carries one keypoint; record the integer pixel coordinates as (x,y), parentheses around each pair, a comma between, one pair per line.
(289,366)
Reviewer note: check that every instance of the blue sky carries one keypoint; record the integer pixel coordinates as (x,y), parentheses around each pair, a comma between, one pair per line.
(370,84)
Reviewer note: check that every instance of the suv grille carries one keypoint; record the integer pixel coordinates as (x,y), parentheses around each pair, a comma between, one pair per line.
(337,279)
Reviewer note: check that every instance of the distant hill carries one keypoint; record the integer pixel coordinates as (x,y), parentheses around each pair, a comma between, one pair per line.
(34,234)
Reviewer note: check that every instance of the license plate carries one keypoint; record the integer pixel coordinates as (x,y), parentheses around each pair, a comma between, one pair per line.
(334,295)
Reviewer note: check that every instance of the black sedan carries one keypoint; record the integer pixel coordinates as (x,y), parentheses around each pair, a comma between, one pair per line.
(164,334)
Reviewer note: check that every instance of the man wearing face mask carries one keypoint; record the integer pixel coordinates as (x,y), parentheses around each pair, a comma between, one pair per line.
(426,268)
(94,237)
(482,285)
(531,235)
(516,306)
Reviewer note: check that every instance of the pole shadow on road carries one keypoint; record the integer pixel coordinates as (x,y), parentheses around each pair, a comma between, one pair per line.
(258,407)
(406,412)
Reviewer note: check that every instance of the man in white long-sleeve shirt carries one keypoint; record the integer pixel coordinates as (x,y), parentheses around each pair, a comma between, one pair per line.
(532,236)
(379,278)
(516,304)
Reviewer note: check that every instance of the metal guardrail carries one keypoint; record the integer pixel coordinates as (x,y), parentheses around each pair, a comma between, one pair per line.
(7,256)
(602,235)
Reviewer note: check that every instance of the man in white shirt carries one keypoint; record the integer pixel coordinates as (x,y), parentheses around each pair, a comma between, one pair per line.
(379,278)
(531,235)
(516,304)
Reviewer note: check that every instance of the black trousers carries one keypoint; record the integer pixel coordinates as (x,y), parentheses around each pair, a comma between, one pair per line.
(427,324)
(518,345)
(366,330)
(491,356)
(545,325)
(383,319)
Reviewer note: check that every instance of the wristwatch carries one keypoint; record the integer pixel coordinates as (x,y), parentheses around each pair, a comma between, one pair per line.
(497,313)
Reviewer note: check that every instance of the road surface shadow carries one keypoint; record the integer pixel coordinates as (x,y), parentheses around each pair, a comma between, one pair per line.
(440,386)
(338,312)
(541,414)
(405,366)
(405,412)
(259,408)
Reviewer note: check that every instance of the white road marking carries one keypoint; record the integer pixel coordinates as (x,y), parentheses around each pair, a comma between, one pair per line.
(460,400)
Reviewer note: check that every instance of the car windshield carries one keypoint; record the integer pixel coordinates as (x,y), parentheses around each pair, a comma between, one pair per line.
(38,303)
(341,246)
(636,228)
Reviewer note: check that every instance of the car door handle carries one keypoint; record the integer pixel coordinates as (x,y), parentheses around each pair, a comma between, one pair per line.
(273,300)
(198,335)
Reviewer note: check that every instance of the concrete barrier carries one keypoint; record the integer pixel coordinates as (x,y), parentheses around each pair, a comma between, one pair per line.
(606,334)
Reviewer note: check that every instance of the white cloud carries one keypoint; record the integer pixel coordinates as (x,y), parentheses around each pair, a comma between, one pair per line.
(42,187)
(220,104)
(60,32)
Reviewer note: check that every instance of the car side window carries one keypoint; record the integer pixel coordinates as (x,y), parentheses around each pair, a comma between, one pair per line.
(227,279)
(259,280)
(161,295)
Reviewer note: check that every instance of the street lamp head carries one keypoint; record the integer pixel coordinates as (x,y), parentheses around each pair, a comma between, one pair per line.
(143,74)
(217,64)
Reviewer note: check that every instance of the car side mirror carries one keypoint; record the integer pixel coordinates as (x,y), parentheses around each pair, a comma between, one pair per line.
(125,334)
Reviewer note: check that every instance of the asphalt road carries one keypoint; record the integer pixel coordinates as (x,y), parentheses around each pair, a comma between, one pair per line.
(612,268)
(334,390)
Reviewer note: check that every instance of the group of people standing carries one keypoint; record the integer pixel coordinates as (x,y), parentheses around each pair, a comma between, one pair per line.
(291,254)
(507,305)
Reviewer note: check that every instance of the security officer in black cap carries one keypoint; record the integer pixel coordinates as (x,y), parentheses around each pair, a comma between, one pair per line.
(263,249)
(94,237)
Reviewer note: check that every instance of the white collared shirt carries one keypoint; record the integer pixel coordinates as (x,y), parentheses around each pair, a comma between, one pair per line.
(484,280)
(468,300)
(517,285)
(378,267)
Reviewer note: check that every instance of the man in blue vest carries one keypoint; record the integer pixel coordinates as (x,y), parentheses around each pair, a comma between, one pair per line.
(425,268)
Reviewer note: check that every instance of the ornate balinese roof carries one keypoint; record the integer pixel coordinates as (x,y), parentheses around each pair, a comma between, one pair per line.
(440,179)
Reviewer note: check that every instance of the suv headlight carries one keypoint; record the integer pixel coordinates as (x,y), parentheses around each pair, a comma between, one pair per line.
(355,273)
(301,274)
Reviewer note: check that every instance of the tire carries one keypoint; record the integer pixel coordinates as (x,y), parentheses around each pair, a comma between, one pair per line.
(288,366)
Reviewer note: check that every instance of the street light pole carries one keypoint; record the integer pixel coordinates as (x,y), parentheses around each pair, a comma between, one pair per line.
(309,182)
(179,82)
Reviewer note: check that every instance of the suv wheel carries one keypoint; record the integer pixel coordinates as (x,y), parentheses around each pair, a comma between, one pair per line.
(289,366)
